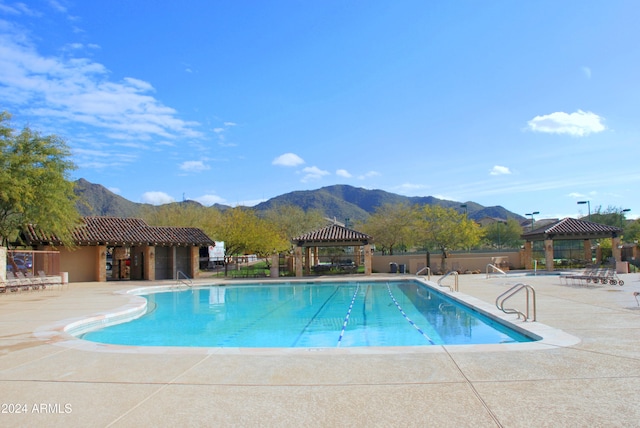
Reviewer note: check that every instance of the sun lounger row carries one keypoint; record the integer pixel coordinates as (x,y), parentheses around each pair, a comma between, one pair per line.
(18,281)
(593,275)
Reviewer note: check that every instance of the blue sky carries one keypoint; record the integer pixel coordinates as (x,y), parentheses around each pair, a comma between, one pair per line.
(530,105)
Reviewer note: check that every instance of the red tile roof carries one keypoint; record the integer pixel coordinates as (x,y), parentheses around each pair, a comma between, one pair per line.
(571,228)
(123,231)
(335,234)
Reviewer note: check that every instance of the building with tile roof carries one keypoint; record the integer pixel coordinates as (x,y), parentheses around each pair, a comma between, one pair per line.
(334,235)
(138,251)
(570,229)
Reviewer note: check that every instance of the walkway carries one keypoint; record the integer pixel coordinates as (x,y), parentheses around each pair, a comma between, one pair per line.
(593,383)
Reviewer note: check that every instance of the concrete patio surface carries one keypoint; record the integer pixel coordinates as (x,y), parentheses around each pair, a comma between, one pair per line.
(48,380)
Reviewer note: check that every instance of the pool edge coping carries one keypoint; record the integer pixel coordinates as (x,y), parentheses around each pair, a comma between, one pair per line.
(61,333)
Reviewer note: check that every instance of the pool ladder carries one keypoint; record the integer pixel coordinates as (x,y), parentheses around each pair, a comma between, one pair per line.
(495,269)
(455,284)
(184,280)
(530,301)
(425,269)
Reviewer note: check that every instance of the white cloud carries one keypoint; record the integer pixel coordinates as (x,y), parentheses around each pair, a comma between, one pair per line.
(576,195)
(409,188)
(115,190)
(343,173)
(313,173)
(499,170)
(288,159)
(18,9)
(193,166)
(78,91)
(577,124)
(368,174)
(208,200)
(587,72)
(156,198)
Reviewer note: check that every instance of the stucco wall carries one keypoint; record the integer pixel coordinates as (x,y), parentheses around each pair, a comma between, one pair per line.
(461,262)
(80,263)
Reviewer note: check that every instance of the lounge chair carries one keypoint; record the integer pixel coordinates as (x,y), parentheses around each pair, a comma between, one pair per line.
(12,285)
(19,280)
(36,281)
(47,280)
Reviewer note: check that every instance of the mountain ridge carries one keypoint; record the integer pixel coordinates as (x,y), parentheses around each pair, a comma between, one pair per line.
(340,201)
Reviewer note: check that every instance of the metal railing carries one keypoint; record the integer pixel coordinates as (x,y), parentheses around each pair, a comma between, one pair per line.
(184,280)
(530,301)
(426,268)
(455,285)
(495,268)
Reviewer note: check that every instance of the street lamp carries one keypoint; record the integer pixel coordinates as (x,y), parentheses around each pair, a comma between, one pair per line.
(532,219)
(588,207)
(465,208)
(626,210)
(499,222)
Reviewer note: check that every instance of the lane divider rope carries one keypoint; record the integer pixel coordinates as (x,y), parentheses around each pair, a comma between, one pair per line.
(407,317)
(346,318)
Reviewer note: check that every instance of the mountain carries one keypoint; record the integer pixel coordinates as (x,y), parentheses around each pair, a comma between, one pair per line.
(341,202)
(355,203)
(95,199)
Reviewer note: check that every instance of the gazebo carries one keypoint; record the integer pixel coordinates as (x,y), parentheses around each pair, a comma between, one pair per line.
(570,229)
(330,236)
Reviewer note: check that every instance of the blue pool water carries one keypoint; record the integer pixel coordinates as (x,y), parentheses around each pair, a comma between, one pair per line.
(341,314)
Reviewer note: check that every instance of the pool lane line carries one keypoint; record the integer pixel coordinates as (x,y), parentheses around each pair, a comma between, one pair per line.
(346,318)
(407,317)
(295,342)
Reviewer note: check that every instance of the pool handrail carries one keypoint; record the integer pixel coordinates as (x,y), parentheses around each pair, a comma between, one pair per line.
(455,285)
(496,268)
(428,269)
(510,293)
(186,281)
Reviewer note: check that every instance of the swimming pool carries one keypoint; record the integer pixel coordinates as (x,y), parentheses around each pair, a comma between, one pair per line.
(307,315)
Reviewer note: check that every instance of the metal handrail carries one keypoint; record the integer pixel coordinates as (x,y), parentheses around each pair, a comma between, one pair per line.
(495,268)
(186,281)
(428,269)
(455,286)
(501,299)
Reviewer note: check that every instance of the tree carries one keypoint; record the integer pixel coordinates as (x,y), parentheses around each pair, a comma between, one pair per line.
(244,233)
(445,229)
(503,234)
(611,216)
(292,221)
(632,232)
(391,225)
(34,184)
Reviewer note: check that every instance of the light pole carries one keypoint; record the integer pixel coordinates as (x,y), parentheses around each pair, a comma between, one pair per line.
(588,207)
(626,210)
(532,219)
(499,238)
(465,208)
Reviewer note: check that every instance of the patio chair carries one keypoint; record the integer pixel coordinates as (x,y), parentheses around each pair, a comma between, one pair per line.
(11,284)
(27,283)
(36,281)
(47,280)
(18,281)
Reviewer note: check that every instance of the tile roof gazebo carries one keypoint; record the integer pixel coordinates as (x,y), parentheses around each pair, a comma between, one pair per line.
(570,229)
(333,235)
(155,252)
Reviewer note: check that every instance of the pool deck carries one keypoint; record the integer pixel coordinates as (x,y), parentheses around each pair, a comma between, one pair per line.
(595,381)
